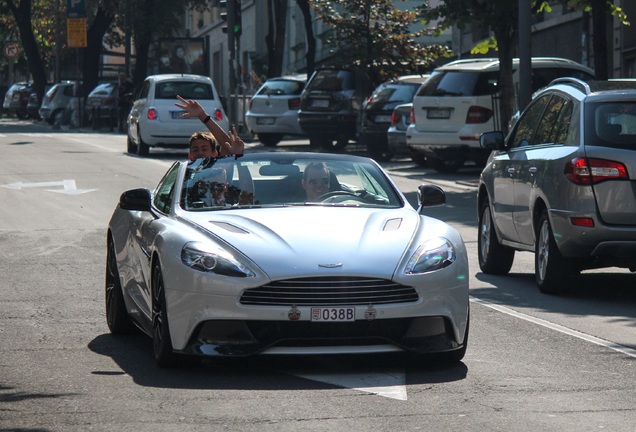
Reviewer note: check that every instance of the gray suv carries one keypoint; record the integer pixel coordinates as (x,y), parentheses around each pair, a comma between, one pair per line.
(561,184)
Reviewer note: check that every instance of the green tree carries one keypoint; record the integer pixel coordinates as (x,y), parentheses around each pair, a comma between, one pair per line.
(377,36)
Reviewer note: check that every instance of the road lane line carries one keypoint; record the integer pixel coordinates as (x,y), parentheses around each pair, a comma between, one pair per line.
(391,384)
(577,334)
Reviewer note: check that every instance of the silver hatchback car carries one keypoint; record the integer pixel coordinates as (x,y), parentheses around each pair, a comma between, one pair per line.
(562,183)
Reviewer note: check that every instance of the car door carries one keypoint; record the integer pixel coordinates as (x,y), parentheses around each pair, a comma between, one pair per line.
(507,166)
(532,170)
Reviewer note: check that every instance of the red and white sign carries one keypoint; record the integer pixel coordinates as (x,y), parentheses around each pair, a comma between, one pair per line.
(11,50)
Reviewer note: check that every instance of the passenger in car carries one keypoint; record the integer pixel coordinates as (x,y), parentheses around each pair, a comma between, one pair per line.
(224,144)
(316,180)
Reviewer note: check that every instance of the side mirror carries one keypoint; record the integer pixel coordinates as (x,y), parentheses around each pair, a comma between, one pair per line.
(430,195)
(492,140)
(136,199)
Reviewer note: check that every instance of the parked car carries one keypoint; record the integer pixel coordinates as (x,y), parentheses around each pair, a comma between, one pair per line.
(356,270)
(396,134)
(375,118)
(561,184)
(33,104)
(8,96)
(330,106)
(19,101)
(457,104)
(154,121)
(101,105)
(57,101)
(273,110)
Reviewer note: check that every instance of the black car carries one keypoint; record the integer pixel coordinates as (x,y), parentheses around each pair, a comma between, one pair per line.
(101,106)
(330,106)
(378,108)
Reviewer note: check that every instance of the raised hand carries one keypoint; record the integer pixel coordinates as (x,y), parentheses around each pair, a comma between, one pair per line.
(192,108)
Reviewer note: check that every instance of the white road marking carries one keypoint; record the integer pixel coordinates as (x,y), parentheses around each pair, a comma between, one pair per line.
(577,334)
(69,186)
(390,384)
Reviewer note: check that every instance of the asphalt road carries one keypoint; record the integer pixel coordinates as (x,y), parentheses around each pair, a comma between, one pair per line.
(534,362)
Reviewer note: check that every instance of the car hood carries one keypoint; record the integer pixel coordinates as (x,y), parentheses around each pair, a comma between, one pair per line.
(315,240)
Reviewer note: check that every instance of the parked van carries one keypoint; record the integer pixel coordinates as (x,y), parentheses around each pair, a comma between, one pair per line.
(459,102)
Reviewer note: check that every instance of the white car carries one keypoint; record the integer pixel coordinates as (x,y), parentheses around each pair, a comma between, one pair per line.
(273,110)
(231,257)
(57,100)
(155,121)
(459,102)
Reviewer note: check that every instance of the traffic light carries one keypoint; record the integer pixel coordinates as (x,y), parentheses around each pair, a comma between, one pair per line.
(238,27)
(224,15)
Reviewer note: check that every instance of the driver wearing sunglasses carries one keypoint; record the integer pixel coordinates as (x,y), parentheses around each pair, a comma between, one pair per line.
(315,180)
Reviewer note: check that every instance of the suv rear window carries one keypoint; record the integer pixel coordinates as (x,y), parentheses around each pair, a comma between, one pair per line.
(393,93)
(611,124)
(281,88)
(187,90)
(332,81)
(460,83)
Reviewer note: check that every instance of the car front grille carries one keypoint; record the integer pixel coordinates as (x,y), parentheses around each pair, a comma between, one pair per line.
(329,291)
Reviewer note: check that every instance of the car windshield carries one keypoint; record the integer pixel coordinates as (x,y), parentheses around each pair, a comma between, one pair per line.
(186,89)
(332,80)
(459,83)
(281,88)
(611,124)
(392,94)
(277,179)
(104,89)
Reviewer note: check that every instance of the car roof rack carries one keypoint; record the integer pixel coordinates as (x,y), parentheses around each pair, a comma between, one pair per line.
(574,82)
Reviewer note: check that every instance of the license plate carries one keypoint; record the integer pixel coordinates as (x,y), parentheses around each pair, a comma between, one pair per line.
(383,119)
(320,103)
(265,121)
(177,114)
(333,314)
(438,113)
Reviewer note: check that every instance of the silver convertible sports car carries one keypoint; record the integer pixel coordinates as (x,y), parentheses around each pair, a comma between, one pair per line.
(285,253)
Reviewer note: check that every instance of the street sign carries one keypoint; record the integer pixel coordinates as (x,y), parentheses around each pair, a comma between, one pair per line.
(76,8)
(11,50)
(76,32)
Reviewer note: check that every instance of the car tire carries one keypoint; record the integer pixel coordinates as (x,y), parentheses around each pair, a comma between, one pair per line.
(143,149)
(131,147)
(161,342)
(270,139)
(494,258)
(317,143)
(22,115)
(117,317)
(377,148)
(335,145)
(418,158)
(445,166)
(553,272)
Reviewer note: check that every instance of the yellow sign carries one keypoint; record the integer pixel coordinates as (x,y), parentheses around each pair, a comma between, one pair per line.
(76,32)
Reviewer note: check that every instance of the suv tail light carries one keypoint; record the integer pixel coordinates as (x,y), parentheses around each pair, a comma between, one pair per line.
(152,114)
(412,116)
(53,92)
(477,114)
(218,115)
(293,104)
(589,171)
(395,118)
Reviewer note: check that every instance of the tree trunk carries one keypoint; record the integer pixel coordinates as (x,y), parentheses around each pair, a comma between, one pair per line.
(94,48)
(506,37)
(599,35)
(276,32)
(310,56)
(22,15)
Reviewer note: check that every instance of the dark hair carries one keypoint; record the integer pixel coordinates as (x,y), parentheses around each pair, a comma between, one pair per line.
(207,136)
(317,166)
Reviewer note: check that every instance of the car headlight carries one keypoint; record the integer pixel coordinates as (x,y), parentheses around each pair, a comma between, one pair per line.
(208,258)
(432,255)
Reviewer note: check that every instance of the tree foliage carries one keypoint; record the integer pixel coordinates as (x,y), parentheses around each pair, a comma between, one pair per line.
(376,35)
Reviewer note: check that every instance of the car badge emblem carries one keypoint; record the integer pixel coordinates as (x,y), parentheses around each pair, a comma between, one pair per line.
(293,314)
(437,102)
(370,313)
(336,265)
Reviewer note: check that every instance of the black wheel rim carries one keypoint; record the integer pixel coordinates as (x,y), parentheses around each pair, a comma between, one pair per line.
(157,311)
(112,279)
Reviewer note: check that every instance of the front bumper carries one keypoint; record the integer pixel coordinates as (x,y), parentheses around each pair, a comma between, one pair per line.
(242,338)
